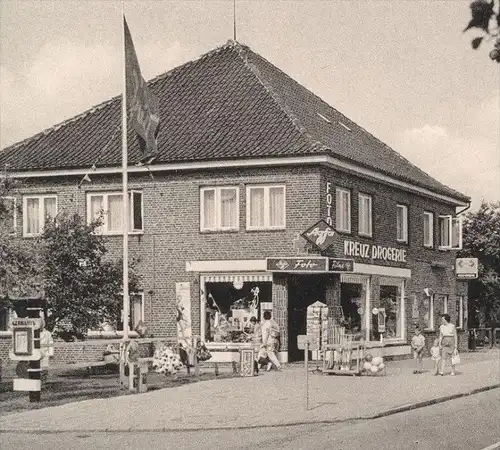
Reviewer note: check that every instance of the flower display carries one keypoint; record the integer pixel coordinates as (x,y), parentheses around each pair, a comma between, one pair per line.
(167,361)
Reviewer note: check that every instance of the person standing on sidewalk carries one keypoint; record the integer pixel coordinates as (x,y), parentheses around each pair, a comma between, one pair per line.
(418,345)
(436,356)
(270,339)
(448,342)
(256,334)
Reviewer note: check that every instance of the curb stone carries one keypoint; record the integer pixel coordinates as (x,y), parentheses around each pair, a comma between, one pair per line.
(352,420)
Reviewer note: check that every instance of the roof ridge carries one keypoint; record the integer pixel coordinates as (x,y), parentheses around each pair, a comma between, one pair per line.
(229,44)
(324,146)
(242,53)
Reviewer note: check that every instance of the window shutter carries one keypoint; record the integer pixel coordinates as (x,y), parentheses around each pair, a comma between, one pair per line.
(456,233)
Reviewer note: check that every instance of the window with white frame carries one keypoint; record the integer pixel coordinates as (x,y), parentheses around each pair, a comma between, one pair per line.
(136,311)
(402,223)
(443,299)
(8,214)
(460,312)
(36,210)
(365,214)
(108,207)
(428,229)
(219,208)
(429,312)
(266,207)
(343,209)
(450,233)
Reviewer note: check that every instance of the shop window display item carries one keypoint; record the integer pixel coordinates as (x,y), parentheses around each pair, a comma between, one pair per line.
(373,365)
(343,357)
(353,309)
(229,310)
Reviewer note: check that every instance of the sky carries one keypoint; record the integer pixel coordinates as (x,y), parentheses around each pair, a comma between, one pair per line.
(402,69)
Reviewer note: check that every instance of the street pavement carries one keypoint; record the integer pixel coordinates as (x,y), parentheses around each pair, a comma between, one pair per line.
(467,423)
(270,399)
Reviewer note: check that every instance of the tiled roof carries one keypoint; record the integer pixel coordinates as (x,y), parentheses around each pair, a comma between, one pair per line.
(230,103)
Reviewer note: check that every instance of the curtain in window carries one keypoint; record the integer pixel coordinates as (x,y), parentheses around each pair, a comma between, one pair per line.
(455,233)
(115,212)
(401,223)
(342,210)
(444,228)
(135,310)
(276,207)
(428,231)
(50,207)
(228,214)
(257,207)
(209,209)
(33,215)
(364,214)
(96,206)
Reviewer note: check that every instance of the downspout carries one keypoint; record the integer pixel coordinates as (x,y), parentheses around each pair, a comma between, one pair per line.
(463,210)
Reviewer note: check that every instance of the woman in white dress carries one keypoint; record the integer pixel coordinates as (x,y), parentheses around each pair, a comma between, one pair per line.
(448,342)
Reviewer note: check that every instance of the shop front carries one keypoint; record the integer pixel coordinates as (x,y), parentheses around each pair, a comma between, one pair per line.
(228,300)
(366,301)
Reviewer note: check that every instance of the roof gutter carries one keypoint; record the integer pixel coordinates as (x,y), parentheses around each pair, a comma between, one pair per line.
(325,160)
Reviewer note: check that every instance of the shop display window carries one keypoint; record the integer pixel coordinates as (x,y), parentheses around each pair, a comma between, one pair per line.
(352,300)
(390,310)
(229,307)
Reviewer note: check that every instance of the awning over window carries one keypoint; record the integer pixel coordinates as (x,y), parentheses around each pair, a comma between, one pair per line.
(355,279)
(231,278)
(386,281)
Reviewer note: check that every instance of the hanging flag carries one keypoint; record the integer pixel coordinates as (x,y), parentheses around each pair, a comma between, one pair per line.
(142,104)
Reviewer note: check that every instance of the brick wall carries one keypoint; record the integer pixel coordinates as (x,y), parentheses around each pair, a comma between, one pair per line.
(430,267)
(75,352)
(172,237)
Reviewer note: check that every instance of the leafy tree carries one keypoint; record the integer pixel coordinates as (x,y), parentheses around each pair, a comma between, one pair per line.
(20,262)
(481,239)
(82,286)
(485,18)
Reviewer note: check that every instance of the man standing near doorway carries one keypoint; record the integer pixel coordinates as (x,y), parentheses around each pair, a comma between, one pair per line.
(270,340)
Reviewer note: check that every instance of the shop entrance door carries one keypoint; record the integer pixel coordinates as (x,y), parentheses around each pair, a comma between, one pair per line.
(302,291)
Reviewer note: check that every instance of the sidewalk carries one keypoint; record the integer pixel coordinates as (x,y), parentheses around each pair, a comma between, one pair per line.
(274,398)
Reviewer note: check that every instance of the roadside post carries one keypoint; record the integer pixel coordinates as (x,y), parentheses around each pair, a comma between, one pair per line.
(307,342)
(26,351)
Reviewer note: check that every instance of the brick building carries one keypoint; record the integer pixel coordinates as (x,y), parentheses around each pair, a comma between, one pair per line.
(248,161)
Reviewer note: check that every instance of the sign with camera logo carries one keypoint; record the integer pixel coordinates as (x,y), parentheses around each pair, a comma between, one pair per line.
(321,235)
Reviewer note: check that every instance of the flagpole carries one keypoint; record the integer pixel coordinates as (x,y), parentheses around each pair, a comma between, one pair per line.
(125,191)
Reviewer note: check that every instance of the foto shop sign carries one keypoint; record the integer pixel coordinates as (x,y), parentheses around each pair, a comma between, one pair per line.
(321,235)
(297,264)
